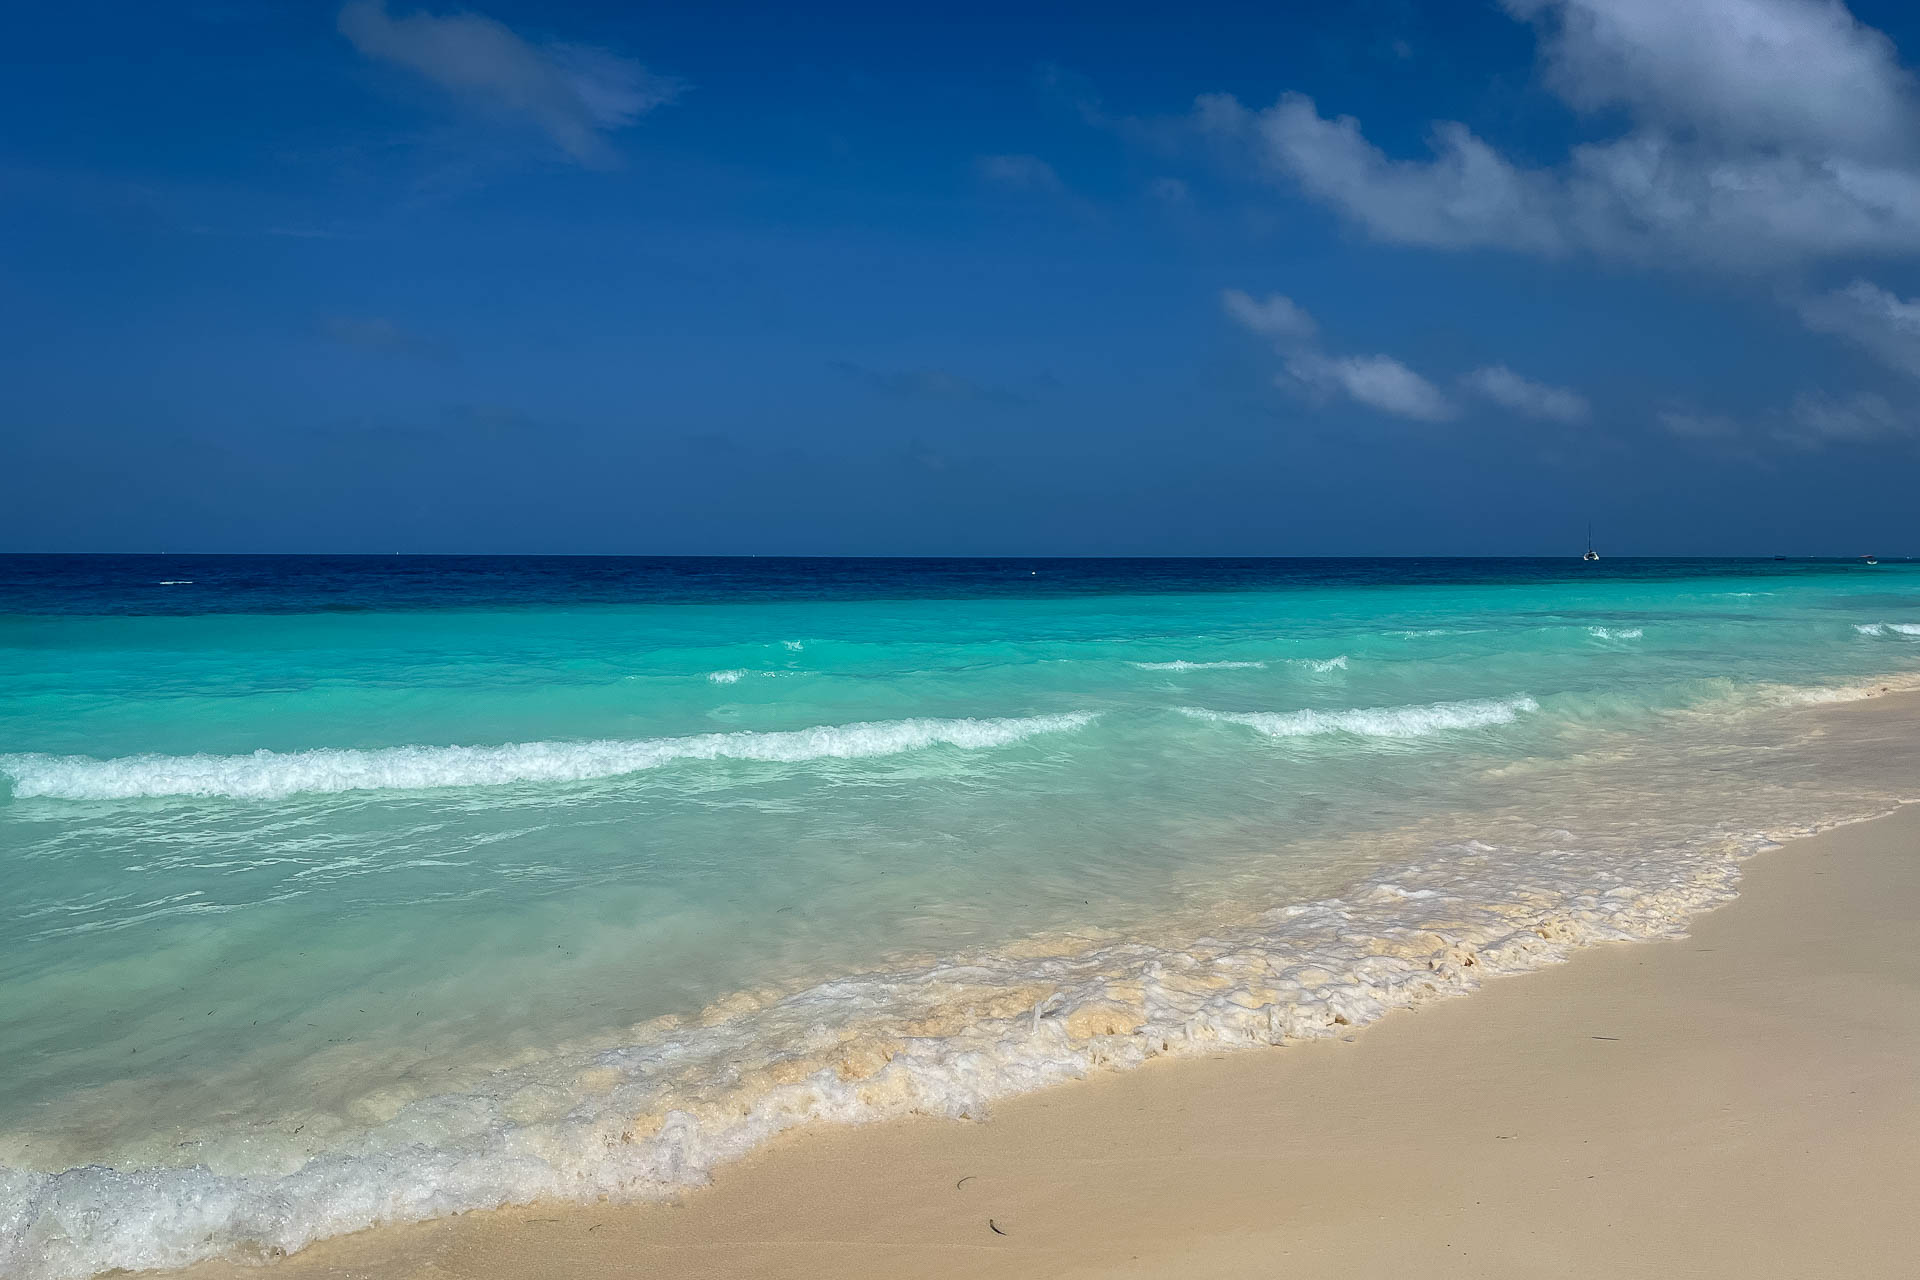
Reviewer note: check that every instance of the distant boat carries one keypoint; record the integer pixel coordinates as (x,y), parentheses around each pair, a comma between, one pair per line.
(1869,560)
(1591,553)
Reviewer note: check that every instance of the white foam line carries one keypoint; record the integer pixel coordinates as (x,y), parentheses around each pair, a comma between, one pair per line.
(267,775)
(1199,666)
(1376,722)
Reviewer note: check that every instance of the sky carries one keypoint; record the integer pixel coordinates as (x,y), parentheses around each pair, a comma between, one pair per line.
(1371,278)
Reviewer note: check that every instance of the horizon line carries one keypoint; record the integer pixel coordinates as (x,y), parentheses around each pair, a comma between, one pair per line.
(1023,556)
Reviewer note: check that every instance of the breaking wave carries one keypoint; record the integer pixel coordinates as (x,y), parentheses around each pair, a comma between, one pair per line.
(1377,722)
(1199,666)
(269,775)
(645,1120)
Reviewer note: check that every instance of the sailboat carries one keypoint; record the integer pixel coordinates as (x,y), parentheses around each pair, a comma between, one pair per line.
(1591,553)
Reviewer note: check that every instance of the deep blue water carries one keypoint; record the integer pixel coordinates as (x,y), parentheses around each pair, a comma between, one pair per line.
(133,584)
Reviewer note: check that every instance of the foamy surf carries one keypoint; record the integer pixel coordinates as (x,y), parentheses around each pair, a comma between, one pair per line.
(1887,628)
(1615,633)
(644,1120)
(1376,722)
(268,775)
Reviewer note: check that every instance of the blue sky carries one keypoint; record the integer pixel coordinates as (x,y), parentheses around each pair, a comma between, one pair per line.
(1369,278)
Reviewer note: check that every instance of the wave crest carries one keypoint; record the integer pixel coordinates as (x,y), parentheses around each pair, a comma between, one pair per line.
(1377,722)
(271,775)
(1179,665)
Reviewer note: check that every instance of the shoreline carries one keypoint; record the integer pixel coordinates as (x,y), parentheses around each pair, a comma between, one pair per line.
(1334,1152)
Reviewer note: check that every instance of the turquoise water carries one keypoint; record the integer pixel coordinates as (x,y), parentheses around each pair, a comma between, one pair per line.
(345,891)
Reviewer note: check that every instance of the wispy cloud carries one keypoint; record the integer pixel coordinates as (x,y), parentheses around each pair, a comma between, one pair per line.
(1526,397)
(1377,381)
(575,93)
(1021,172)
(1274,316)
(381,335)
(1819,419)
(1882,323)
(1814,420)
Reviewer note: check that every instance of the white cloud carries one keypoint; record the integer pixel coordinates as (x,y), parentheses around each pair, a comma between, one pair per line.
(1467,195)
(1812,421)
(1862,416)
(575,93)
(1029,173)
(1524,396)
(1761,72)
(1882,323)
(1758,134)
(1377,381)
(1380,382)
(1275,316)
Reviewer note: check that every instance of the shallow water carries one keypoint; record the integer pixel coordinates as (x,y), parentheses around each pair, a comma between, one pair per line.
(343,890)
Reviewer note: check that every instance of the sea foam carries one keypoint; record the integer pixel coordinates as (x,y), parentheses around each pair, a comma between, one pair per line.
(268,775)
(1887,628)
(647,1119)
(1178,665)
(1377,722)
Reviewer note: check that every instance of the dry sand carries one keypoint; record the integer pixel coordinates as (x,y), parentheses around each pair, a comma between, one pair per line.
(1742,1102)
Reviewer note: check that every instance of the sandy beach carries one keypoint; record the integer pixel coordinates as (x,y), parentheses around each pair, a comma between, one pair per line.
(1739,1102)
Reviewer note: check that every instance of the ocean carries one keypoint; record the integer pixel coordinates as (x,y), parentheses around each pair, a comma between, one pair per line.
(346,890)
